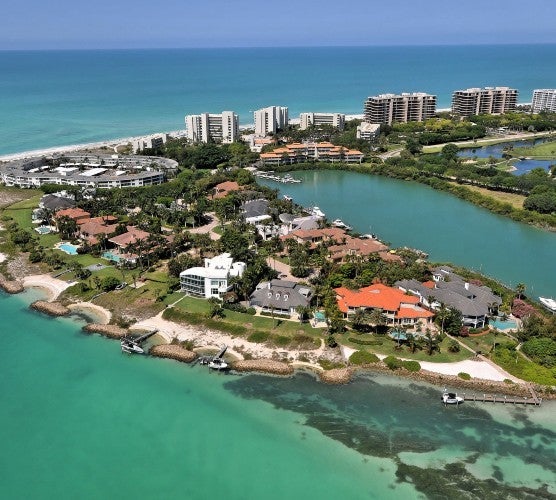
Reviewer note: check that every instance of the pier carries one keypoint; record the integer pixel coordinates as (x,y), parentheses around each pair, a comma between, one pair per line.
(534,400)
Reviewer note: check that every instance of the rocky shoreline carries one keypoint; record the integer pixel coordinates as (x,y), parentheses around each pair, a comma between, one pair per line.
(173,351)
(110,331)
(337,376)
(50,308)
(11,286)
(270,366)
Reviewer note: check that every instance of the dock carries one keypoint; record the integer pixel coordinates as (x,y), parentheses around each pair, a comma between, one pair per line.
(534,400)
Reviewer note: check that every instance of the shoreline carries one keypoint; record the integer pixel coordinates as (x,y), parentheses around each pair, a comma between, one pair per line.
(485,377)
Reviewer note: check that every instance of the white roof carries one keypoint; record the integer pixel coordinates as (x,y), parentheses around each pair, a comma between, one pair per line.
(94,171)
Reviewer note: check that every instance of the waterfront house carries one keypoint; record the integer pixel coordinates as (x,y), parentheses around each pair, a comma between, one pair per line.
(224,189)
(280,297)
(475,302)
(317,236)
(397,307)
(255,211)
(211,280)
(356,246)
(91,229)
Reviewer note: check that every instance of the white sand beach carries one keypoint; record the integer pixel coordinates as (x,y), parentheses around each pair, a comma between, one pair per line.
(100,314)
(54,287)
(479,368)
(210,338)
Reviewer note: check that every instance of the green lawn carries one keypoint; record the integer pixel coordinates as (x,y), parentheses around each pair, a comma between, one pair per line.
(484,343)
(389,348)
(545,150)
(22,210)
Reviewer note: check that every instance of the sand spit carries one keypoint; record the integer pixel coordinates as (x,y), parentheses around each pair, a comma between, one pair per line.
(173,351)
(10,286)
(50,308)
(263,366)
(336,376)
(110,331)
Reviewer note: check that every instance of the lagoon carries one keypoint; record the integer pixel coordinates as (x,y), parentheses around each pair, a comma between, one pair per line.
(409,214)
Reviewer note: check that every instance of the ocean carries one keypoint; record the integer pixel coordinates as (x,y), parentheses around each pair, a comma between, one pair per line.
(56,98)
(79,419)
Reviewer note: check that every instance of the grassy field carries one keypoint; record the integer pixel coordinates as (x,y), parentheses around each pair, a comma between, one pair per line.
(546,150)
(515,200)
(389,348)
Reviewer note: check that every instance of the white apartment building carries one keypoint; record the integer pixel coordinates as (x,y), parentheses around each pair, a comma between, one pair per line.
(336,120)
(149,142)
(405,107)
(206,127)
(212,279)
(544,100)
(368,131)
(489,100)
(270,120)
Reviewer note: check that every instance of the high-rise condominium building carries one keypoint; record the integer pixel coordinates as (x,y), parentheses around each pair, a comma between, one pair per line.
(405,107)
(336,120)
(270,120)
(490,100)
(544,100)
(218,128)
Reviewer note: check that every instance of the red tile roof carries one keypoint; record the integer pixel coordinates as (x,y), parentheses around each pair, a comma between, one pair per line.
(132,236)
(383,297)
(73,213)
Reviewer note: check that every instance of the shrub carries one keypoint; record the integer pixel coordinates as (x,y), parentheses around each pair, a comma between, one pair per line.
(109,283)
(326,364)
(331,341)
(508,381)
(258,337)
(251,310)
(392,362)
(411,366)
(355,340)
(464,376)
(281,340)
(363,358)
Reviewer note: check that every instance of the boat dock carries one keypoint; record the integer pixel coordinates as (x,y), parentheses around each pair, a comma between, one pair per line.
(534,400)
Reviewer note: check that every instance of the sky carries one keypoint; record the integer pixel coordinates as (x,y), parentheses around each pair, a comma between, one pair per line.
(104,24)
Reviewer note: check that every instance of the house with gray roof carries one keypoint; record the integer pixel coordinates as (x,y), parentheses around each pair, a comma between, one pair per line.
(255,211)
(280,297)
(475,302)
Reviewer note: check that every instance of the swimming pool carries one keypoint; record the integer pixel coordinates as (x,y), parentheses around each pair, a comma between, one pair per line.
(111,256)
(68,248)
(43,229)
(500,324)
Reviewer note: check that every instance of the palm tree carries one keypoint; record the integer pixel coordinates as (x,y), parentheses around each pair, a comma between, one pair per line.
(377,318)
(414,342)
(520,290)
(431,343)
(442,315)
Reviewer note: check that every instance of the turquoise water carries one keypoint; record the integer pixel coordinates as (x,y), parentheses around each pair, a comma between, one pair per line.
(80,420)
(53,98)
(111,256)
(449,229)
(503,324)
(43,229)
(68,248)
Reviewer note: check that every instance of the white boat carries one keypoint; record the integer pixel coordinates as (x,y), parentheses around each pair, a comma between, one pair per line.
(218,364)
(368,236)
(287,198)
(341,224)
(316,212)
(550,304)
(131,347)
(451,398)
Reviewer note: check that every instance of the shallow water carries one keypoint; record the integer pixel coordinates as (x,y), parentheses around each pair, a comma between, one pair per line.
(79,419)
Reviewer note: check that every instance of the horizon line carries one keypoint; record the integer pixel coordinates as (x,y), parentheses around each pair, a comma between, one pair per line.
(232,47)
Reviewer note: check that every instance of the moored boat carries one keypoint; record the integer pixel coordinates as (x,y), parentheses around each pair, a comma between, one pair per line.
(341,224)
(131,347)
(218,364)
(550,304)
(451,398)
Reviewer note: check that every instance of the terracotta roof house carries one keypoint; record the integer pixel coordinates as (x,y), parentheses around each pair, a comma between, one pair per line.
(474,302)
(316,236)
(398,307)
(356,246)
(280,297)
(77,214)
(133,235)
(224,189)
(92,228)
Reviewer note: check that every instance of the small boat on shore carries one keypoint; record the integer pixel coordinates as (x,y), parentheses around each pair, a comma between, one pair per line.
(341,224)
(218,364)
(550,304)
(451,398)
(129,346)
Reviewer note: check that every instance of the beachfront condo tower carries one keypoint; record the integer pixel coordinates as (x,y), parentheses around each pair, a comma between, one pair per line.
(270,120)
(489,100)
(208,127)
(401,108)
(336,120)
(544,100)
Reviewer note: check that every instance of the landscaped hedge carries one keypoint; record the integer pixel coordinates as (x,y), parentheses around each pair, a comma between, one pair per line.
(363,358)
(355,340)
(393,363)
(411,366)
